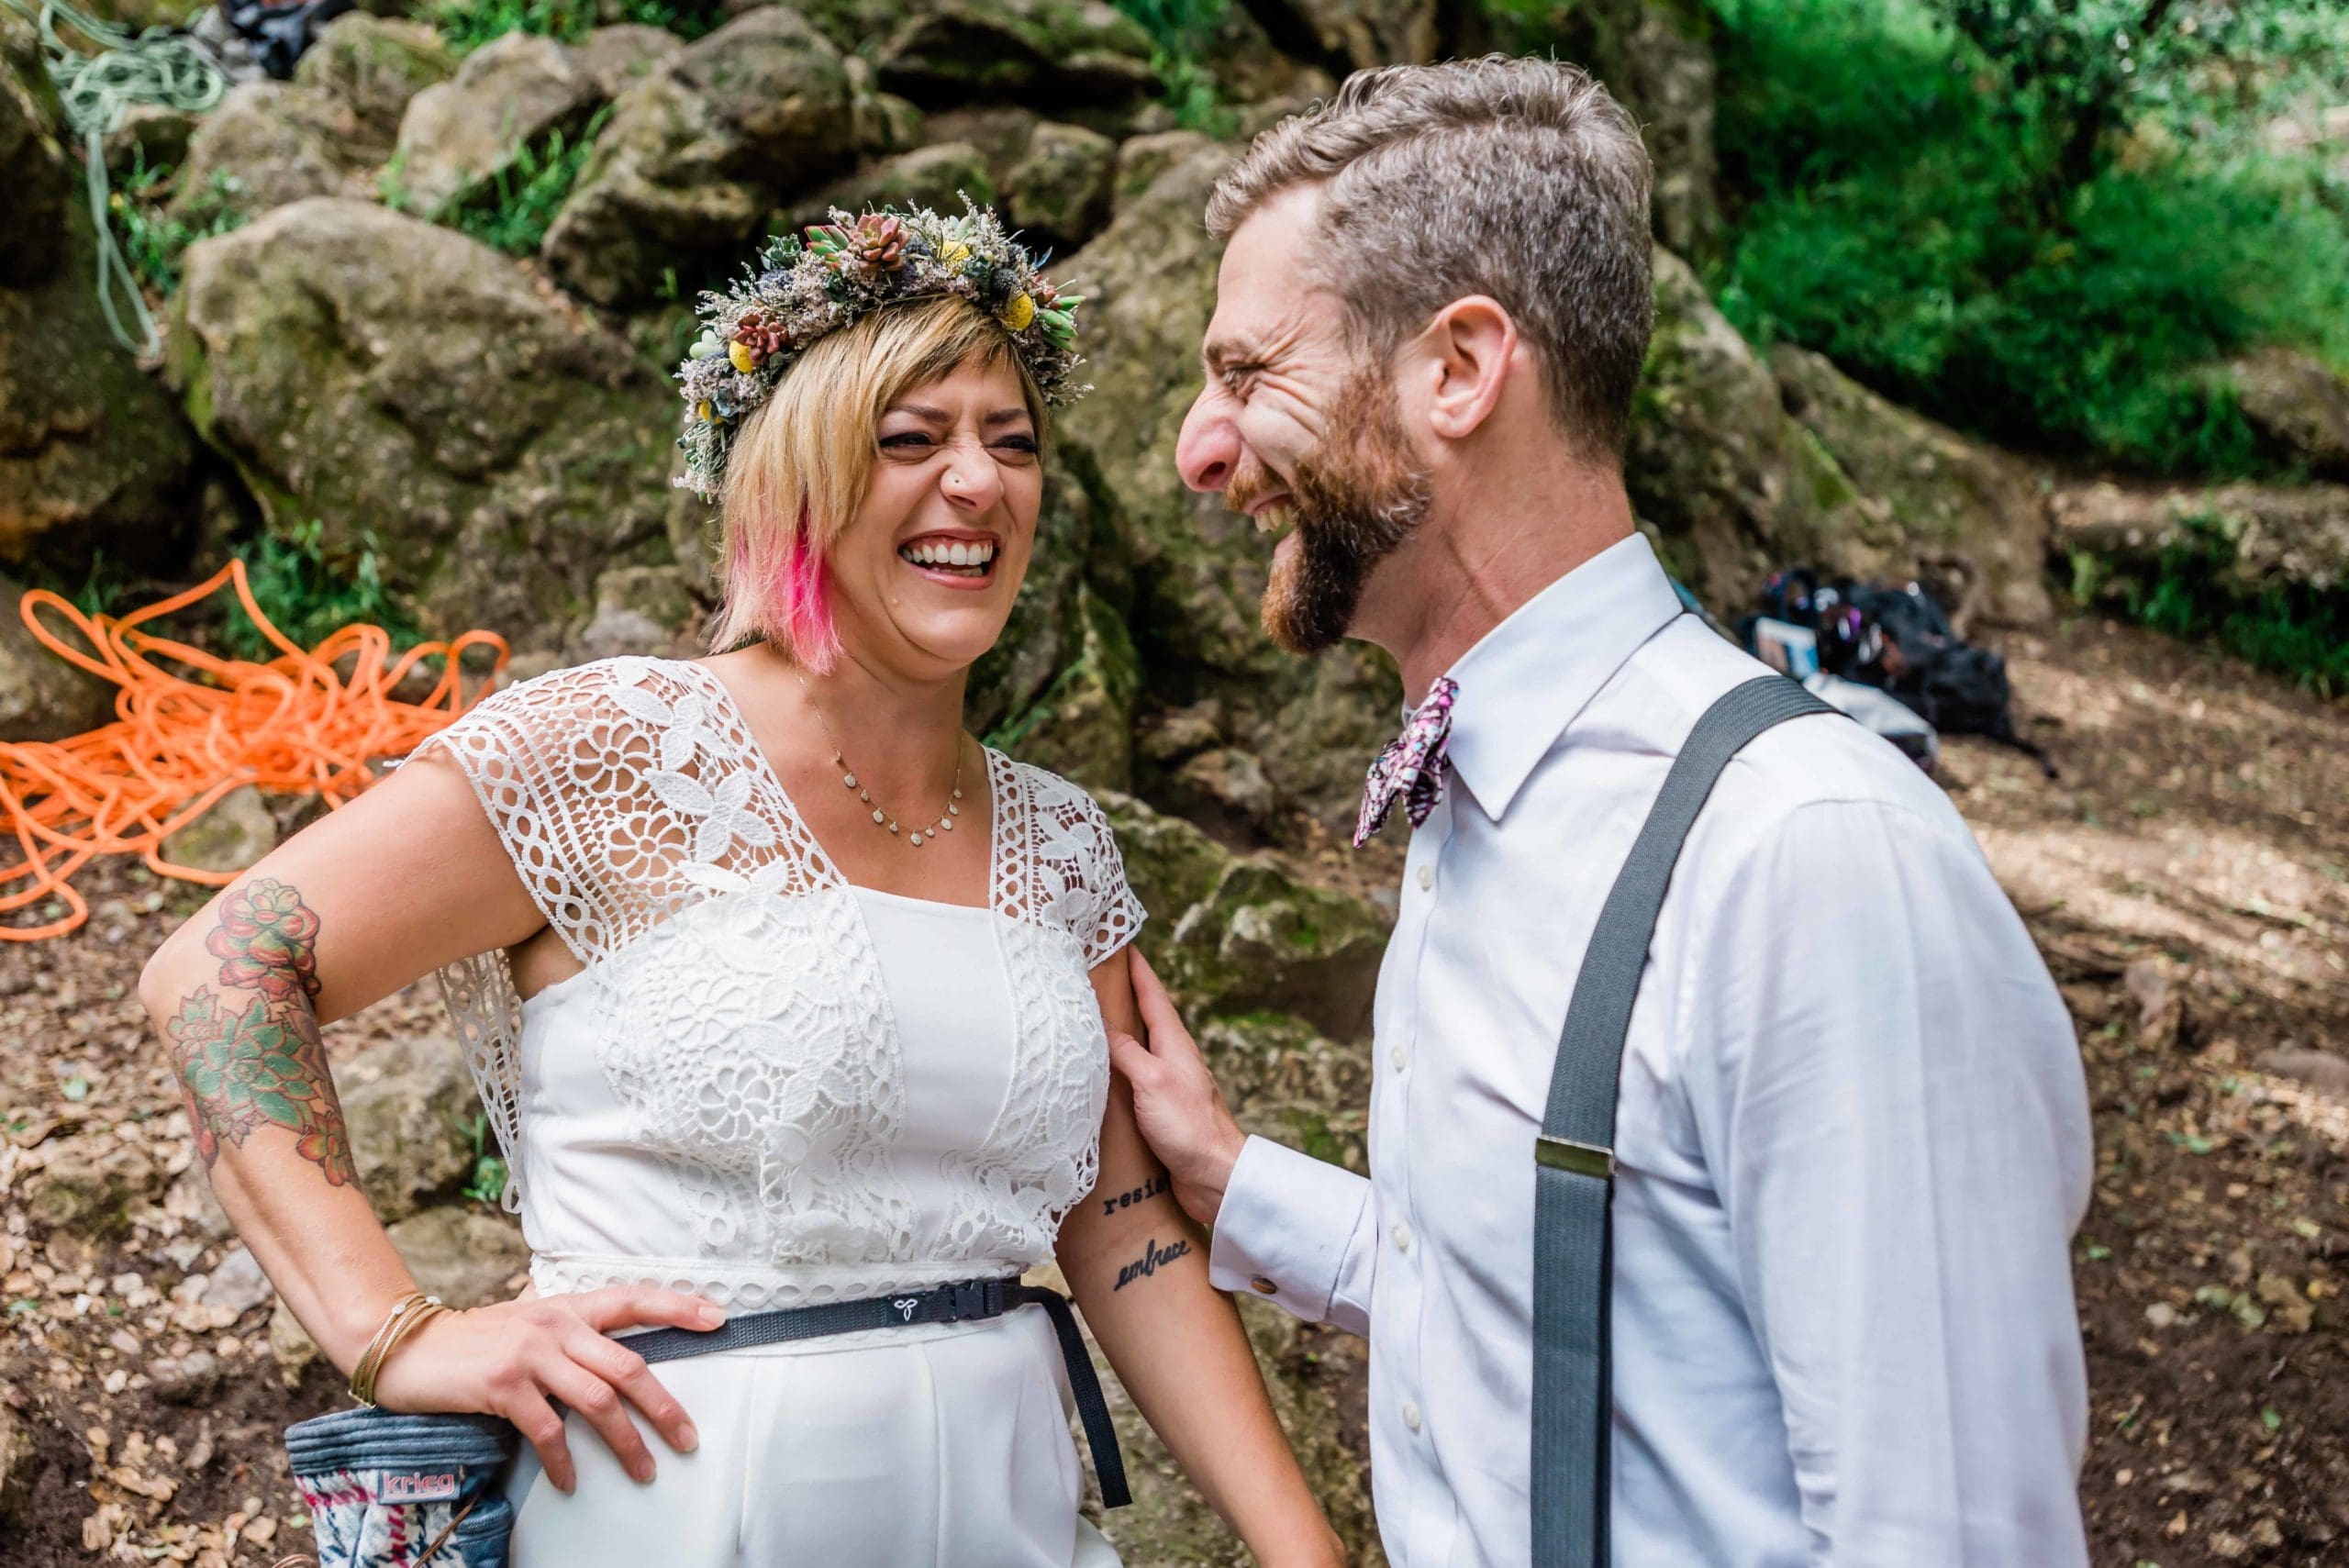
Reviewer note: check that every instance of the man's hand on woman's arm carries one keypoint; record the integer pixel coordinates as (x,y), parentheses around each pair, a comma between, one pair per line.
(1181,1111)
(408,876)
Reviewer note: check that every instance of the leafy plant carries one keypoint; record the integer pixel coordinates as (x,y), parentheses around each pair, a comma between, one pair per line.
(1181,32)
(307,595)
(1916,207)
(153,242)
(487,1184)
(466,24)
(511,210)
(2297,632)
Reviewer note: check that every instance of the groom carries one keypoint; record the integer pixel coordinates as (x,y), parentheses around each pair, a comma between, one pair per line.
(1851,1133)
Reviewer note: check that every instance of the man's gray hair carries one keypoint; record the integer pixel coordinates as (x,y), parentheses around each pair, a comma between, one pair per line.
(1521,179)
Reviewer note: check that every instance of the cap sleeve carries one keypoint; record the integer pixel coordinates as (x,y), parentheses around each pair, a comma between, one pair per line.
(526,751)
(1079,853)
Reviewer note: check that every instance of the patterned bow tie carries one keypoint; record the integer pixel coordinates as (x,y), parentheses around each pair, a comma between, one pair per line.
(1411,767)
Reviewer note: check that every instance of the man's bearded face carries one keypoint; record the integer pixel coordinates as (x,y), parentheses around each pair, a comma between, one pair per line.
(1353,498)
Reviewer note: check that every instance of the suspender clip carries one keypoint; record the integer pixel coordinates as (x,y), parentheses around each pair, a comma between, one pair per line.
(1582,1159)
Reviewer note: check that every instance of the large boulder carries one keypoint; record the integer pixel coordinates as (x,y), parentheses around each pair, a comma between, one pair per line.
(1352,35)
(1240,936)
(1038,50)
(1196,569)
(413,1116)
(264,145)
(40,184)
(936,176)
(93,455)
(400,382)
(1731,485)
(1972,519)
(376,64)
(619,57)
(507,96)
(2247,539)
(2298,405)
(696,154)
(1060,191)
(42,697)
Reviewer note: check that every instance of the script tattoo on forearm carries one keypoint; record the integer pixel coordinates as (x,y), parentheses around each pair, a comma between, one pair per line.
(250,1054)
(1153,1257)
(1147,1190)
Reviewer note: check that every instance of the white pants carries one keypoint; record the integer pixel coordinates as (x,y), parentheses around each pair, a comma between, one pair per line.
(945,1447)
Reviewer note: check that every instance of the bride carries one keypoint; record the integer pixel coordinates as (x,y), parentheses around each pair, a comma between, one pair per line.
(782,992)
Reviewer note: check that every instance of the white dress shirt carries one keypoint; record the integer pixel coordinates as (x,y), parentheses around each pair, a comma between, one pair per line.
(1852,1137)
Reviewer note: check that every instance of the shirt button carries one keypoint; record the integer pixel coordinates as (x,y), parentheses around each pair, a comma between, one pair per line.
(1411,1413)
(1399,1057)
(1427,878)
(1264,1286)
(1402,1234)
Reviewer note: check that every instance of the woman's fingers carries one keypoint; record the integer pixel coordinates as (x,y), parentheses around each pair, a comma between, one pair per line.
(541,1428)
(600,1404)
(612,1361)
(641,1306)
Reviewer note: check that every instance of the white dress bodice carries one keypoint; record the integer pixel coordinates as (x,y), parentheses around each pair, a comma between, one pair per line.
(767,1085)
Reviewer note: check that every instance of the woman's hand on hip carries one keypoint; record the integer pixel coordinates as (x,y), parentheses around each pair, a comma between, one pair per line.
(515,1358)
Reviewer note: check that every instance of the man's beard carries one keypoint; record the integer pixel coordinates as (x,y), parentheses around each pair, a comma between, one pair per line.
(1358,495)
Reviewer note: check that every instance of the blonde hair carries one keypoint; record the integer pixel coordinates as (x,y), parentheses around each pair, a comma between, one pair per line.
(798,470)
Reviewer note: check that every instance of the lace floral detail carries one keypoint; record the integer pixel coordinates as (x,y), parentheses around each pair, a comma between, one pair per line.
(737,1007)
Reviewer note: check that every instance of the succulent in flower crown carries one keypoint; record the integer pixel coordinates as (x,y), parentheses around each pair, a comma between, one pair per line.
(801,289)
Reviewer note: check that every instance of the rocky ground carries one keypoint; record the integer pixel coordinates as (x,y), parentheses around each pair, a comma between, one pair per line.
(2188,878)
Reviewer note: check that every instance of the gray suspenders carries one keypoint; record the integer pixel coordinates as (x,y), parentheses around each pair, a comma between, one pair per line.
(1574,1159)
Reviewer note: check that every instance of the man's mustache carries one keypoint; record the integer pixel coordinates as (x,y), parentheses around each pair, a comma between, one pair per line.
(1251,483)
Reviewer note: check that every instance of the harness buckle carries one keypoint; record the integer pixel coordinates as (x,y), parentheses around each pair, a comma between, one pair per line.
(971,1300)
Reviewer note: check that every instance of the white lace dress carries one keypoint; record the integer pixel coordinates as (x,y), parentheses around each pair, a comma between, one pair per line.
(775,1089)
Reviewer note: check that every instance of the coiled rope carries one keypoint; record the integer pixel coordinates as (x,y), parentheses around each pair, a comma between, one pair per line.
(294,724)
(157,66)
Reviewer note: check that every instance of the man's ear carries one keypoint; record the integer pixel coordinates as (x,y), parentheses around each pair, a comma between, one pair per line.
(1469,353)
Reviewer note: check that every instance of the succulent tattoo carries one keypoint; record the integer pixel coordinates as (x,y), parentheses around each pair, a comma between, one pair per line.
(251,1055)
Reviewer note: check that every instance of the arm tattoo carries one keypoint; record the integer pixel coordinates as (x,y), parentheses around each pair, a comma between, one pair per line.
(251,1054)
(1153,1257)
(1132,1195)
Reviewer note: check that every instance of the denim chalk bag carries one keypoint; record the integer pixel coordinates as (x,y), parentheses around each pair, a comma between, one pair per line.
(416,1491)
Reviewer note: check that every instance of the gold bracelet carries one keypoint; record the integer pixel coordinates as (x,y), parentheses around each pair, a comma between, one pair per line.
(367,1356)
(411,1310)
(414,1312)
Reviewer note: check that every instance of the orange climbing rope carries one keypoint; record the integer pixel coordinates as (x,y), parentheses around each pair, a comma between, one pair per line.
(305,721)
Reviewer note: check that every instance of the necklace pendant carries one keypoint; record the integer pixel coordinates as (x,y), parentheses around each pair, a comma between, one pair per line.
(893,827)
(947,823)
(915,841)
(849,779)
(880,817)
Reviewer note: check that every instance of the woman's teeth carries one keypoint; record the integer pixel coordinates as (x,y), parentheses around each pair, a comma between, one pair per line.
(957,558)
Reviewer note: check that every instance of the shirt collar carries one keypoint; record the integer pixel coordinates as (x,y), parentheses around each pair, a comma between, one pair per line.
(1527,678)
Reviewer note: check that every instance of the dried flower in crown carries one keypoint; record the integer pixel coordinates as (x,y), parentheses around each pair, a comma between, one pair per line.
(802,289)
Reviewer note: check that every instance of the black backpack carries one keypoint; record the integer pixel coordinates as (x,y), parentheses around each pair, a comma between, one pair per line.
(1900,639)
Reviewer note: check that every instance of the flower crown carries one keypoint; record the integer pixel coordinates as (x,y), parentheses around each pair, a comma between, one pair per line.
(801,290)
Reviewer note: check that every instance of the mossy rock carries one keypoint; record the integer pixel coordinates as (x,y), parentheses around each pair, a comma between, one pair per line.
(428,399)
(376,64)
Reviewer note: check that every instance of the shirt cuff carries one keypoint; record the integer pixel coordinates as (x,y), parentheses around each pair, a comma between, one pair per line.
(1288,1225)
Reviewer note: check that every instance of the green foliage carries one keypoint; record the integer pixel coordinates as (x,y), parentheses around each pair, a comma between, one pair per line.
(487,1184)
(153,243)
(1181,32)
(511,210)
(1899,202)
(2293,631)
(466,24)
(308,597)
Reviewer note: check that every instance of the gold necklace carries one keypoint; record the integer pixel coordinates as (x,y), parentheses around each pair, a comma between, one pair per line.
(881,816)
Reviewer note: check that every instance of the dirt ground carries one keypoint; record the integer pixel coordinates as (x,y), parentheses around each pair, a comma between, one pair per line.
(2188,876)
